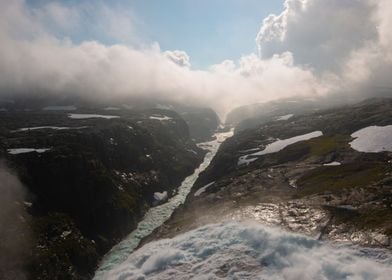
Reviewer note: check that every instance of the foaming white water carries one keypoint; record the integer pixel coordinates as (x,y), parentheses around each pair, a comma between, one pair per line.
(249,251)
(156,216)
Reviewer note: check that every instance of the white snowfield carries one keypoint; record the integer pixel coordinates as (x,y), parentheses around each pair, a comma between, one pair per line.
(203,189)
(236,250)
(26,150)
(277,146)
(89,116)
(285,117)
(373,139)
(48,127)
(333,163)
(160,118)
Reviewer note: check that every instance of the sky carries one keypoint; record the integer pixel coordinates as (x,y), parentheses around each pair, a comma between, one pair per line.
(216,53)
(200,28)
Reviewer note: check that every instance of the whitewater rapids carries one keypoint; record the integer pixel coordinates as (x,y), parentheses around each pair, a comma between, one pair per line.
(235,250)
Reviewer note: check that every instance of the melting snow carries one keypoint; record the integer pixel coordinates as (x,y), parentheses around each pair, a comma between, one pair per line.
(334,163)
(203,189)
(66,233)
(48,127)
(277,146)
(28,204)
(160,196)
(160,118)
(373,139)
(250,251)
(26,150)
(89,116)
(285,117)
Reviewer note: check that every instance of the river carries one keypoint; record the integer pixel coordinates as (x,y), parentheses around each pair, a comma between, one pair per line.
(156,216)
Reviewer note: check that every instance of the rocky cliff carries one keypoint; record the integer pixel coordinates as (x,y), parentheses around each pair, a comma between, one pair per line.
(89,178)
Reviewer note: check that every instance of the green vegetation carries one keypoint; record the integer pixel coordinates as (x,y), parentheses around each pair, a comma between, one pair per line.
(365,219)
(324,145)
(335,178)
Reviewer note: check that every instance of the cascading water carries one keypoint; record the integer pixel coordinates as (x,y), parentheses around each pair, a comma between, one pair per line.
(156,216)
(241,250)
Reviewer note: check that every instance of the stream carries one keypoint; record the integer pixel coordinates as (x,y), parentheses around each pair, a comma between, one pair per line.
(156,216)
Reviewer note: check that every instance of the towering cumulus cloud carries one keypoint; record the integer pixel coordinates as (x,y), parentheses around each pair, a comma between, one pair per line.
(313,47)
(346,43)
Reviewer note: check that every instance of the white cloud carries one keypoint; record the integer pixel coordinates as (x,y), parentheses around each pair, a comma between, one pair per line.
(313,47)
(347,44)
(180,58)
(53,13)
(45,63)
(318,33)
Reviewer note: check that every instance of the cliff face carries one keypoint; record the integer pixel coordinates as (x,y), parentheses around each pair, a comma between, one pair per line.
(90,180)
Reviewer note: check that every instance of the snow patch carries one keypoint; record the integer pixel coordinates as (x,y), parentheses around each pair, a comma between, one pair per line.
(160,196)
(89,116)
(373,139)
(250,251)
(277,146)
(27,204)
(48,127)
(285,117)
(64,234)
(333,163)
(203,189)
(160,118)
(17,151)
(245,160)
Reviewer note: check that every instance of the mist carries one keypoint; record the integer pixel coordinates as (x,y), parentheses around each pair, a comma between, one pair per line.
(14,233)
(313,48)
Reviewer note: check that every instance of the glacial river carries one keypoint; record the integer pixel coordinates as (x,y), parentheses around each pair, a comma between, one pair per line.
(156,216)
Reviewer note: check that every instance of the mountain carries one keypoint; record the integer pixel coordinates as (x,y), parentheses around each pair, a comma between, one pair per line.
(327,174)
(202,122)
(253,115)
(90,173)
